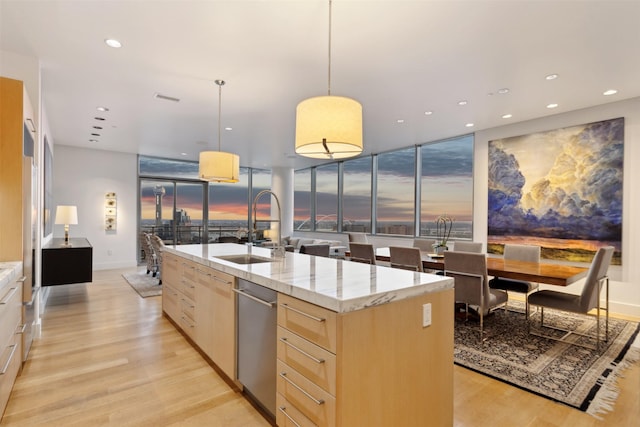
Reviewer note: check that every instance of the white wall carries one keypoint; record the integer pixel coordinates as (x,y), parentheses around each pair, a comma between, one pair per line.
(82,177)
(625,285)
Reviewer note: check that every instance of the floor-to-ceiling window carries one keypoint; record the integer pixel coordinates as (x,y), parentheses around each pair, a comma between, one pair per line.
(261,180)
(180,208)
(402,192)
(302,200)
(356,195)
(228,208)
(447,186)
(326,197)
(395,200)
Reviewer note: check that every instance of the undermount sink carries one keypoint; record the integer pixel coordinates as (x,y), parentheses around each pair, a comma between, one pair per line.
(244,259)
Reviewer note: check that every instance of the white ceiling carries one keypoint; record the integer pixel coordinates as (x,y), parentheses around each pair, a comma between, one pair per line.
(398,58)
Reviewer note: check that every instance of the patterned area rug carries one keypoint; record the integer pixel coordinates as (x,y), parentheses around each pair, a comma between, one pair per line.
(145,284)
(576,376)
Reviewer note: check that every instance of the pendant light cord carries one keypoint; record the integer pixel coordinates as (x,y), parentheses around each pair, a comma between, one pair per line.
(329,71)
(220,83)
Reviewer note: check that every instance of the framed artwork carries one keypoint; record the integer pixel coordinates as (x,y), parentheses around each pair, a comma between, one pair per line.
(560,189)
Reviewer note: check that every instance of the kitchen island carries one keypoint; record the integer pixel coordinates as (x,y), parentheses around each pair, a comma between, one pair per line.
(357,345)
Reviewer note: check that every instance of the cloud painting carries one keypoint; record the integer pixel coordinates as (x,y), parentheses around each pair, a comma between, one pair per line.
(560,189)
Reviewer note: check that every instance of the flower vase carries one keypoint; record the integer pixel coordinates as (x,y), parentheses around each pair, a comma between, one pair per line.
(440,249)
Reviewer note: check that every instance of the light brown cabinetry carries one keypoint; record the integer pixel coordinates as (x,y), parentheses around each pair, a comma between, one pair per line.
(16,168)
(10,337)
(200,301)
(376,366)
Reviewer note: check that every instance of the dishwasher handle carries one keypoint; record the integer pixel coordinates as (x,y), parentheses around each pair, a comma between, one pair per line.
(256,299)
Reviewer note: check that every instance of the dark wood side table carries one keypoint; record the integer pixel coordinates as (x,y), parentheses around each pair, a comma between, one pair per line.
(65,265)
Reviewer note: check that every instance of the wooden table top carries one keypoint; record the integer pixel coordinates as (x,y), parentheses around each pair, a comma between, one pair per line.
(543,272)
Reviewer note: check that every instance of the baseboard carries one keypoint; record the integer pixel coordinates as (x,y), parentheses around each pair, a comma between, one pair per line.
(114,265)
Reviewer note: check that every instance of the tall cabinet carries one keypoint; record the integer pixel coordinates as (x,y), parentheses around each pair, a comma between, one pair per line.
(18,142)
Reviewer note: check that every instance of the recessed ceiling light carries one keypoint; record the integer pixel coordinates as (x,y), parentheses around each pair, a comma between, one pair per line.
(428,113)
(462,102)
(113,43)
(95,134)
(610,92)
(400,121)
(183,154)
(552,105)
(507,116)
(469,125)
(93,140)
(103,109)
(503,90)
(551,77)
(228,128)
(99,118)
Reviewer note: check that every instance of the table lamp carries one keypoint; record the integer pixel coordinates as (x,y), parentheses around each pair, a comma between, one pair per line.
(66,215)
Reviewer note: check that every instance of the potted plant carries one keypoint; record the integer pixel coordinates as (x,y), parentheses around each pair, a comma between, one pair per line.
(443,231)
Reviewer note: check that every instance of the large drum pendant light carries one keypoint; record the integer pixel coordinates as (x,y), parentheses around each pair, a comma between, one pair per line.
(329,127)
(219,166)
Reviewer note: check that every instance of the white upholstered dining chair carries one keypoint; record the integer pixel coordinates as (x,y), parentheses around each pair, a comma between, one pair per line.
(405,257)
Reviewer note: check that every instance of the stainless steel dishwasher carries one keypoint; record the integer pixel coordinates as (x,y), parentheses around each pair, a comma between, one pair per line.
(257,317)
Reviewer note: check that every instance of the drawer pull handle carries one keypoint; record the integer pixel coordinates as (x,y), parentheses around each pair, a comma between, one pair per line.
(283,409)
(6,365)
(256,299)
(21,328)
(184,320)
(7,297)
(204,273)
(22,279)
(283,375)
(315,359)
(217,279)
(187,303)
(317,319)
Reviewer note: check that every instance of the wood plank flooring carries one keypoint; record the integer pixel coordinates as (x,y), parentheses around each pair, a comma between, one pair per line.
(109,358)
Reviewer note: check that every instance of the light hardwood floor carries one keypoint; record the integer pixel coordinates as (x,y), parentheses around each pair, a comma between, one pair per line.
(109,358)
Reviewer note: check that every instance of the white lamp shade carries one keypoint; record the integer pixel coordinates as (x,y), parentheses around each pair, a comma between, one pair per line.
(219,166)
(270,234)
(334,119)
(66,215)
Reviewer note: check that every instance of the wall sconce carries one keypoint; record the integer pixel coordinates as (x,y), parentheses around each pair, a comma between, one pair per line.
(110,212)
(66,215)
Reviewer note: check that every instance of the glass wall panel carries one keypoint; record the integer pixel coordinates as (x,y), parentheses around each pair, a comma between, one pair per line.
(261,181)
(395,196)
(154,166)
(447,186)
(327,197)
(228,208)
(302,200)
(188,213)
(156,208)
(356,195)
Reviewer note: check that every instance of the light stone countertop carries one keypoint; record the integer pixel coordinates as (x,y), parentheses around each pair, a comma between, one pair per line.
(9,272)
(335,284)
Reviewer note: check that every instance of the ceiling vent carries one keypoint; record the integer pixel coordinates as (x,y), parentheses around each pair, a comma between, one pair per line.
(165,97)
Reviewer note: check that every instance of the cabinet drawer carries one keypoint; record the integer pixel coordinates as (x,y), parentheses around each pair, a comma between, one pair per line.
(189,271)
(315,363)
(170,269)
(10,312)
(315,403)
(314,323)
(170,299)
(288,415)
(223,278)
(188,307)
(188,287)
(10,362)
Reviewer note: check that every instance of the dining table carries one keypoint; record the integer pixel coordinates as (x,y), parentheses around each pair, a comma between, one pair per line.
(540,272)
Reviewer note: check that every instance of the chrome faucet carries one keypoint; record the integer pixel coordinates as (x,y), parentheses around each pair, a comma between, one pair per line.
(278,251)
